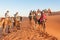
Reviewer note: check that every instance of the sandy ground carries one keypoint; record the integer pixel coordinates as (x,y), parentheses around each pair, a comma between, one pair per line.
(26,33)
(53,25)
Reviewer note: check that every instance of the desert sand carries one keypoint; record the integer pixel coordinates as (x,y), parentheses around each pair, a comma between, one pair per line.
(26,33)
(53,25)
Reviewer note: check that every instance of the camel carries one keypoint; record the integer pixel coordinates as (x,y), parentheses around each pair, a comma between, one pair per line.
(32,19)
(41,17)
(7,25)
(49,12)
(41,20)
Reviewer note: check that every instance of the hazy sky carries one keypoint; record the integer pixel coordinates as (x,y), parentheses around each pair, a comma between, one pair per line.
(24,6)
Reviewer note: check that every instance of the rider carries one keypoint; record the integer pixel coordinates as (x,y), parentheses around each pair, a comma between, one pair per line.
(17,16)
(7,14)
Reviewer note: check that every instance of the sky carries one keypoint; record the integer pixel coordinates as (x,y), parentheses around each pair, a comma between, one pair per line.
(24,6)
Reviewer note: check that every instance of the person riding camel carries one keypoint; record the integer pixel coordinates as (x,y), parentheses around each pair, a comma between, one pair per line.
(17,20)
(6,23)
(43,19)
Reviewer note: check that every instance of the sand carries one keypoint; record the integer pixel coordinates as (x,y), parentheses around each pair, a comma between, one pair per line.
(26,33)
(53,25)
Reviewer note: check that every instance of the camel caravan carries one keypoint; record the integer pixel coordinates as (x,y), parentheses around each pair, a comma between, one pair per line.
(39,18)
(8,23)
(35,18)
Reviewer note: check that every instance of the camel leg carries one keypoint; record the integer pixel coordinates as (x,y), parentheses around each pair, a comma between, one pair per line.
(33,25)
(18,25)
(5,30)
(0,30)
(10,29)
(43,26)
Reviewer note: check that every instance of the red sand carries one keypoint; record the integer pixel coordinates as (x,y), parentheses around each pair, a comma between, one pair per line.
(25,33)
(53,26)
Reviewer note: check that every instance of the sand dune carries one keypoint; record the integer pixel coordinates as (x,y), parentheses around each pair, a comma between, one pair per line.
(53,25)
